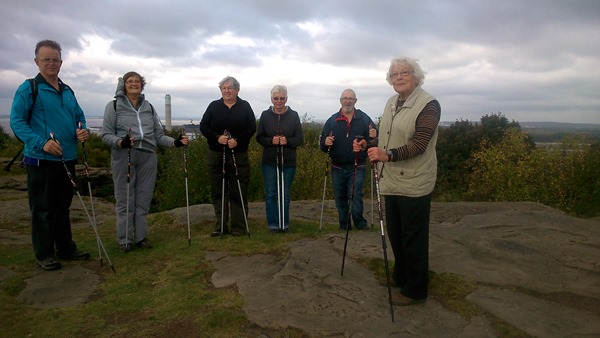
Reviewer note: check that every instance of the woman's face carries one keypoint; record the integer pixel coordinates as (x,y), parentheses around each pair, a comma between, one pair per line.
(228,92)
(403,80)
(279,100)
(133,85)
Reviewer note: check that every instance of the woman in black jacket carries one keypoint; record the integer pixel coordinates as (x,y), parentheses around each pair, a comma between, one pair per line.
(228,125)
(280,133)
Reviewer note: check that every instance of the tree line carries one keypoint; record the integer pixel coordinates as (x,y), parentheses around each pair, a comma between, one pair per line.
(489,160)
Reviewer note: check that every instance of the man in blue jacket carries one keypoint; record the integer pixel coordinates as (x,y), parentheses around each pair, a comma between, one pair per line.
(345,137)
(54,110)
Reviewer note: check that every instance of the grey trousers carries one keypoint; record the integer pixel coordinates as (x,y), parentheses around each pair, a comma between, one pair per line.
(141,188)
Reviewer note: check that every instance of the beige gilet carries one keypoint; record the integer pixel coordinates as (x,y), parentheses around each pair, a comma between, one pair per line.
(416,176)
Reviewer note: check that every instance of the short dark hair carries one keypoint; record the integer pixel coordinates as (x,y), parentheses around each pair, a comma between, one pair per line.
(47,43)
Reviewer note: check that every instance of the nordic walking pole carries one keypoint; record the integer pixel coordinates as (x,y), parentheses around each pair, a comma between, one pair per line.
(87,177)
(128,184)
(350,201)
(325,183)
(282,186)
(223,192)
(83,205)
(372,216)
(187,196)
(279,222)
(383,241)
(237,177)
(372,135)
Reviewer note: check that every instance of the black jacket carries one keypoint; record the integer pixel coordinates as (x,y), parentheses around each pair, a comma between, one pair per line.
(239,121)
(287,124)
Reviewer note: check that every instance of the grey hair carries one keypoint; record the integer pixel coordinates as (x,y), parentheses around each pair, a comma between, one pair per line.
(234,82)
(48,43)
(419,74)
(279,89)
(349,90)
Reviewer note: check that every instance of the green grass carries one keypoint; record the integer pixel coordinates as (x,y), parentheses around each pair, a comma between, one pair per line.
(167,290)
(164,291)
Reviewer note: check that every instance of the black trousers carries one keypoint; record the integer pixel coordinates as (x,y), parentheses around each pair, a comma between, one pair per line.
(50,197)
(233,200)
(407,221)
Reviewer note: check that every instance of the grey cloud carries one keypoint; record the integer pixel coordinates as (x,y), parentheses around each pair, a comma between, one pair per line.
(538,60)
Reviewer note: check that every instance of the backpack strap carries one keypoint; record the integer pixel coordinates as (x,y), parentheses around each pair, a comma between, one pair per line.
(155,115)
(34,92)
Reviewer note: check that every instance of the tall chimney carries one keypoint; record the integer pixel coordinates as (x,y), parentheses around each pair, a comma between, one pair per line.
(168,112)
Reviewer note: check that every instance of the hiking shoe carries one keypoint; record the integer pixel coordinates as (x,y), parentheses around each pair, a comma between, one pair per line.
(76,256)
(144,243)
(49,264)
(125,247)
(273,231)
(236,233)
(217,233)
(401,300)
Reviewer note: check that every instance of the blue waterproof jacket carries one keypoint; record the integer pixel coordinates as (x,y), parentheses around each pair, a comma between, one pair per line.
(54,112)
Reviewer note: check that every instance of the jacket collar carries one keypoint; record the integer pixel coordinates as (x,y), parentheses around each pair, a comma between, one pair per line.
(410,101)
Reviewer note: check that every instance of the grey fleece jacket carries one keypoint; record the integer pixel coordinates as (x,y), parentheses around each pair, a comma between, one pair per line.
(146,129)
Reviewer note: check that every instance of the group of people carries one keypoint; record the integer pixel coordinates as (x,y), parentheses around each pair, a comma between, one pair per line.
(403,149)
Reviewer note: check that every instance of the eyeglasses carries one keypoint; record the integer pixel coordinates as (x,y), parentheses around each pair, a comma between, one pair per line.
(49,60)
(348,98)
(227,88)
(403,73)
(133,81)
(279,98)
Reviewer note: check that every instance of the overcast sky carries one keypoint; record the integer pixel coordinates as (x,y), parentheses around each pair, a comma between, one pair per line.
(530,60)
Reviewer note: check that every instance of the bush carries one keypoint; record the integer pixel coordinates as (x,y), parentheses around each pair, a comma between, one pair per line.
(98,152)
(475,162)
(567,177)
(457,144)
(170,186)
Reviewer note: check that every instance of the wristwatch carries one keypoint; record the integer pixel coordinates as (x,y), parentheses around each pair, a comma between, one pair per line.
(389,155)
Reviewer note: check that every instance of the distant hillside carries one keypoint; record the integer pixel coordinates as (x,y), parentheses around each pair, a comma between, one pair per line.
(561,126)
(553,132)
(545,132)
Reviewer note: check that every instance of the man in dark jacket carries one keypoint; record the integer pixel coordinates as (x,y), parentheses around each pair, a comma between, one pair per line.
(345,137)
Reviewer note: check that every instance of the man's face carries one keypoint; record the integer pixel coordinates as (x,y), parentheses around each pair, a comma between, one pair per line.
(348,100)
(48,61)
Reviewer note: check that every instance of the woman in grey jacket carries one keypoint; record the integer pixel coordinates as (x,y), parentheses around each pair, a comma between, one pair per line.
(133,130)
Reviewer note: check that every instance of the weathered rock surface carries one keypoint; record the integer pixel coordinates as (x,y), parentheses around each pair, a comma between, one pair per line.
(533,267)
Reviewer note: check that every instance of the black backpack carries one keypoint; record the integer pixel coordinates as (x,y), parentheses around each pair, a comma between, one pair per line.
(34,92)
